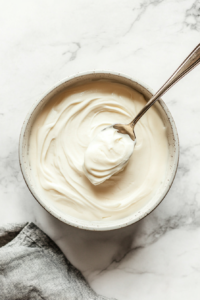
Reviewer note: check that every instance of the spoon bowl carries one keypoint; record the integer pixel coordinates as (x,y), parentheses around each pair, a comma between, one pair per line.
(126,129)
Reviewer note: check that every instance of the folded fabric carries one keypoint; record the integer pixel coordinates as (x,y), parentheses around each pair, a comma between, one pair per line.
(33,267)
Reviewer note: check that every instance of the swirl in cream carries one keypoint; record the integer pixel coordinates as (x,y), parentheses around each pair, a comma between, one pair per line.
(61,134)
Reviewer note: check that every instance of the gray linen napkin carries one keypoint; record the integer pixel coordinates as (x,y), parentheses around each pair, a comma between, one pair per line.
(33,267)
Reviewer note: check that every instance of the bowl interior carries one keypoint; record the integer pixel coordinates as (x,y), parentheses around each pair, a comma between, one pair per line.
(159,194)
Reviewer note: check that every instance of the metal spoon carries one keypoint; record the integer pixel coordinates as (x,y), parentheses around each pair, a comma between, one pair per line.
(188,64)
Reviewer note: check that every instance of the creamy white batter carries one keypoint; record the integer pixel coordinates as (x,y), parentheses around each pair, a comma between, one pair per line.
(61,134)
(107,154)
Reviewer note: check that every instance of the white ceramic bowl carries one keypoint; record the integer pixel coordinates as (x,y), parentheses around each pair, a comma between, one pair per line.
(172,163)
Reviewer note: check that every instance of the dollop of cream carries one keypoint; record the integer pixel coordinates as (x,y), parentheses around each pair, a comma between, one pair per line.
(107,154)
(60,136)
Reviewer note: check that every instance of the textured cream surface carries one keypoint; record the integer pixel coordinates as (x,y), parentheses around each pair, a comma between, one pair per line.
(107,154)
(61,134)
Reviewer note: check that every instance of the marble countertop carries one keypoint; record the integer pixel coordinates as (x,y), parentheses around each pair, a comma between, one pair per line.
(44,41)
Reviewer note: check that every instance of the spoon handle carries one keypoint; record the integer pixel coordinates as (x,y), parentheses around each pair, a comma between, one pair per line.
(187,65)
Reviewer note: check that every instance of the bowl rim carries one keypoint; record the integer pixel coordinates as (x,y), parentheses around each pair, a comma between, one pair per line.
(92,225)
